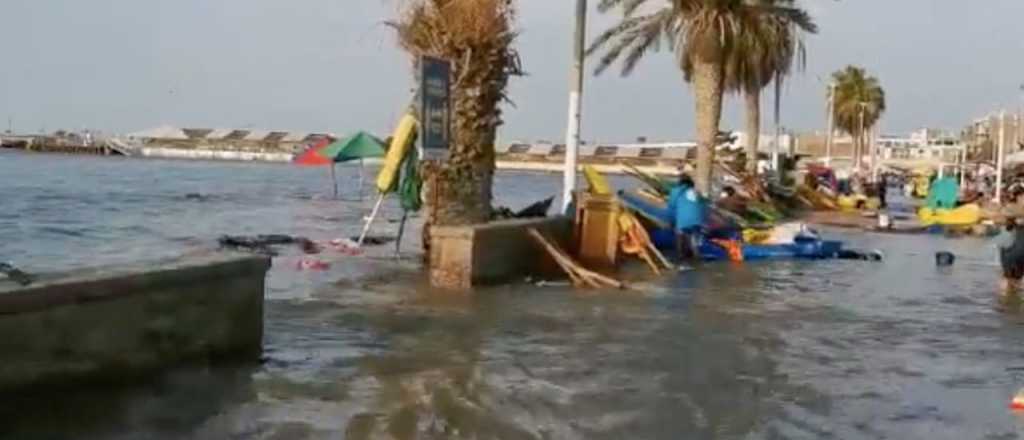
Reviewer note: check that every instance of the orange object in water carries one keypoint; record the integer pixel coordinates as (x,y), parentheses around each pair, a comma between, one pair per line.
(732,247)
(1017,402)
(630,240)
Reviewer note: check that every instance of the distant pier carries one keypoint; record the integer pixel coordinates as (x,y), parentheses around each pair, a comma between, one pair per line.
(61,145)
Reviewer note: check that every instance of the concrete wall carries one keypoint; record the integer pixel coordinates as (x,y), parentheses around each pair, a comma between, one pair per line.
(465,256)
(815,145)
(109,323)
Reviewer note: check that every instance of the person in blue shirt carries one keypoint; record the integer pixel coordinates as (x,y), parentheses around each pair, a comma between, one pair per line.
(688,211)
(1011,255)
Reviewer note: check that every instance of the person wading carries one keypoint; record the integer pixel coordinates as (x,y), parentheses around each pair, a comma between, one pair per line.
(1011,255)
(688,210)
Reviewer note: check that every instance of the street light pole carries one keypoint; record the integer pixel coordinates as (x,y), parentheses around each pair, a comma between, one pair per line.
(778,129)
(874,153)
(830,118)
(858,161)
(1000,158)
(1020,119)
(572,134)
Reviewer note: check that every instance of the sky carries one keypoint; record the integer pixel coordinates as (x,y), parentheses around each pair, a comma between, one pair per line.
(331,65)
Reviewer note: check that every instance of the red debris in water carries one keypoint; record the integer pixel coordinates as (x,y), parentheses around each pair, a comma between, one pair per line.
(311,264)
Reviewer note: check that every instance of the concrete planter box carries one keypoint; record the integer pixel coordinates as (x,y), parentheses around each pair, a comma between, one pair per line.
(107,323)
(462,257)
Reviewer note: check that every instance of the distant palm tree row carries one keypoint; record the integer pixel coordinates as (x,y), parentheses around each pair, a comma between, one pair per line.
(739,46)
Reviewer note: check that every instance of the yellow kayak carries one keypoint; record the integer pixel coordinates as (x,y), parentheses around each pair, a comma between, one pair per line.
(598,183)
(401,142)
(849,203)
(962,216)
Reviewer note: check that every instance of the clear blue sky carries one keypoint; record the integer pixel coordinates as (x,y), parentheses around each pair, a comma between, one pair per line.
(125,65)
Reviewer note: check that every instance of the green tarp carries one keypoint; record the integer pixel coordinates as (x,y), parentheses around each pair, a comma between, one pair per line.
(943,193)
(362,145)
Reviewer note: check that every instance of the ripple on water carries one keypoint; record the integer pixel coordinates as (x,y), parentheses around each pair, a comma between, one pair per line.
(764,350)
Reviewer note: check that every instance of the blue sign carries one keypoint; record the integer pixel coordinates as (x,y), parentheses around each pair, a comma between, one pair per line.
(435,105)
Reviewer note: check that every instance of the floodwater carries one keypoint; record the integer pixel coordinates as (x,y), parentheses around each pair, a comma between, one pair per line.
(774,350)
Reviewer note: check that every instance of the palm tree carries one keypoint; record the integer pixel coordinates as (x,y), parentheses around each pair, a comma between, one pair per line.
(705,35)
(477,36)
(767,51)
(859,103)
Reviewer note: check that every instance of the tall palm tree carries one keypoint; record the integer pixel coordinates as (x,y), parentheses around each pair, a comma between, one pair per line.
(477,36)
(705,35)
(859,103)
(767,51)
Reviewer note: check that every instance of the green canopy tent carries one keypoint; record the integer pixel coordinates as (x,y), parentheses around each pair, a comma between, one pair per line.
(359,146)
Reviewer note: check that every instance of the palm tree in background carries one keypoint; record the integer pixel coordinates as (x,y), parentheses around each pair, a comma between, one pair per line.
(705,36)
(477,36)
(767,51)
(859,103)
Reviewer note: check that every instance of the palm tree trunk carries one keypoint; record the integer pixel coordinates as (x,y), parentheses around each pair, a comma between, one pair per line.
(707,89)
(463,192)
(753,109)
(858,151)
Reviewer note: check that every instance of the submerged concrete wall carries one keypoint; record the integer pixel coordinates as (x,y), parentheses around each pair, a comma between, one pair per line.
(465,256)
(107,323)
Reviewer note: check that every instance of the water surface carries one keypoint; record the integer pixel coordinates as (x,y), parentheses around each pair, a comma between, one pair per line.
(794,350)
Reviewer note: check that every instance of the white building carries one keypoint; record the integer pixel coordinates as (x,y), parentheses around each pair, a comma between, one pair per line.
(923,144)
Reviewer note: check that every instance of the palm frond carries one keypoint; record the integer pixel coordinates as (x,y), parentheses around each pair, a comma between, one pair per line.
(633,36)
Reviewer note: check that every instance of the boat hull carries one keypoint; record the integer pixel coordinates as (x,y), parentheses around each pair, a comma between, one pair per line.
(659,221)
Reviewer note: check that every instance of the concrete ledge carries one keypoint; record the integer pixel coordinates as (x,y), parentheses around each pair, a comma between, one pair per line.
(127,320)
(462,257)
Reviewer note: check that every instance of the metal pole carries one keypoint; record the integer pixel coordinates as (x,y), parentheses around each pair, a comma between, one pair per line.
(830,123)
(334,180)
(860,134)
(572,134)
(962,165)
(874,153)
(401,232)
(1020,119)
(778,129)
(1001,157)
(362,179)
(369,221)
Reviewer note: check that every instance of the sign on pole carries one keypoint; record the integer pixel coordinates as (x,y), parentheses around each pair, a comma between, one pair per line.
(435,107)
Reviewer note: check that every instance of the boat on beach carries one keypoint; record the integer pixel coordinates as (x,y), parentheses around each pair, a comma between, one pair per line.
(658,220)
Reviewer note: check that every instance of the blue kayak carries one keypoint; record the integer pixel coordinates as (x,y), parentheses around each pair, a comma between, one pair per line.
(659,222)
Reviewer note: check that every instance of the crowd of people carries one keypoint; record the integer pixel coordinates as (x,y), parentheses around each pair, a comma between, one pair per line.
(691,213)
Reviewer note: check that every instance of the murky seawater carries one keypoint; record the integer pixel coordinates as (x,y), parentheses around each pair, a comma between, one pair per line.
(779,350)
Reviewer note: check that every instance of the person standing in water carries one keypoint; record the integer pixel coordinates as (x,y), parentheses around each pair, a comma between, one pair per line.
(1011,255)
(687,208)
(883,189)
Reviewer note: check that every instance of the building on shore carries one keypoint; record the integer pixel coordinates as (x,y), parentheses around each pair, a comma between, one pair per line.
(227,139)
(815,145)
(983,135)
(222,143)
(923,145)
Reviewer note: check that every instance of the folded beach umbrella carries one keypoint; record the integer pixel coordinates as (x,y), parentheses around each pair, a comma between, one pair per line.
(312,156)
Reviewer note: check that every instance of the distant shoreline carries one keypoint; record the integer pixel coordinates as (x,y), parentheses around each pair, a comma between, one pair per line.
(552,165)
